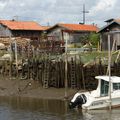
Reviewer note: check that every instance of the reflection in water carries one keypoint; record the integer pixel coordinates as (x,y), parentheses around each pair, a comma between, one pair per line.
(34,104)
(103,114)
(16,108)
(25,107)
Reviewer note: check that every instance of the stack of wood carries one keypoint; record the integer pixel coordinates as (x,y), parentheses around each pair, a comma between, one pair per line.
(20,41)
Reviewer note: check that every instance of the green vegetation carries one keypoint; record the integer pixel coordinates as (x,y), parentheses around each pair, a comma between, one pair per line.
(84,39)
(94,39)
(2,52)
(92,56)
(96,56)
(90,40)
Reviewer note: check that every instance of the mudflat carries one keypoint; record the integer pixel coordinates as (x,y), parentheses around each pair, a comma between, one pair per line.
(32,89)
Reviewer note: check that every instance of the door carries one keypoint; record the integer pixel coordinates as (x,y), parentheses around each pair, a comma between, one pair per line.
(104,88)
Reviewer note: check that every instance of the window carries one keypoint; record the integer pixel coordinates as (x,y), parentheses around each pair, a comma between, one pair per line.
(104,88)
(116,86)
(118,47)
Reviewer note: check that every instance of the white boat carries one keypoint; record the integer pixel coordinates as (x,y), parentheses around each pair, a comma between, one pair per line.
(99,98)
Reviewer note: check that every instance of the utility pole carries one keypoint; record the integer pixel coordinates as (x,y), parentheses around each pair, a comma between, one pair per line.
(84,12)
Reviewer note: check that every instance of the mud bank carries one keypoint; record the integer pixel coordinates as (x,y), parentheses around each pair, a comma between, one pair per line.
(32,89)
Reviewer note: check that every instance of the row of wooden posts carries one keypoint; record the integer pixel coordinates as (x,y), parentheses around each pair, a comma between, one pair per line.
(51,73)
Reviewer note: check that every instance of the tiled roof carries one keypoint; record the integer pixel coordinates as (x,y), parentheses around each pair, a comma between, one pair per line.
(79,27)
(46,27)
(21,25)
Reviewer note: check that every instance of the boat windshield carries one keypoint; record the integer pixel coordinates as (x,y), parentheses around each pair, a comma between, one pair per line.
(104,88)
(116,86)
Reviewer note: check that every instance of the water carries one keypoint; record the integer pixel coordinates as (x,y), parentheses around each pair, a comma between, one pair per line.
(35,109)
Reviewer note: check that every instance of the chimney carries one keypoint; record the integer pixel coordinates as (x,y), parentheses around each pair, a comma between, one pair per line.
(81,23)
(109,20)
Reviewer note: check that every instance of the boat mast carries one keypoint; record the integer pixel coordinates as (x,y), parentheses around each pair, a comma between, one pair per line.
(109,69)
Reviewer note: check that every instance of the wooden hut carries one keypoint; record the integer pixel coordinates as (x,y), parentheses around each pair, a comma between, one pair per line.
(112,28)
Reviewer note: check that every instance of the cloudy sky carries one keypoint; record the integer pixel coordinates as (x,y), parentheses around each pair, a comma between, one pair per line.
(57,11)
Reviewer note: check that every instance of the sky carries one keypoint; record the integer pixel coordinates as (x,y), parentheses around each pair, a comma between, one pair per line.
(50,12)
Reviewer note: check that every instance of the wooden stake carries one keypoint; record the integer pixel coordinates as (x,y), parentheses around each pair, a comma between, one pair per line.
(16,57)
(109,68)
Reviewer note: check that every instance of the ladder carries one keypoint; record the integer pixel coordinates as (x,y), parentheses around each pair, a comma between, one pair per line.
(72,75)
(53,82)
(54,75)
(46,75)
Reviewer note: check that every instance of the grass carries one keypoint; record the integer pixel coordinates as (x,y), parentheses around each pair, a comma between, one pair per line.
(92,56)
(84,57)
(95,56)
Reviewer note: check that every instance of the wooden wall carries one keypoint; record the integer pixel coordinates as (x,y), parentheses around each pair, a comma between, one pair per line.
(4,31)
(114,36)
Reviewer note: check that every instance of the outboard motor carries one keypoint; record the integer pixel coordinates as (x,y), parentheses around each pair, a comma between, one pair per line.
(81,99)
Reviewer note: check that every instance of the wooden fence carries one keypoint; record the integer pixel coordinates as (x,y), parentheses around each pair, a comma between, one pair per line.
(51,73)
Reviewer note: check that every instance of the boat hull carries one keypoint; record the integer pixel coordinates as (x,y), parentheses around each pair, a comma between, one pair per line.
(104,103)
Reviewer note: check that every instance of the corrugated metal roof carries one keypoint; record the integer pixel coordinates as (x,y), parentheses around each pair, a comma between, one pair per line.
(21,25)
(117,21)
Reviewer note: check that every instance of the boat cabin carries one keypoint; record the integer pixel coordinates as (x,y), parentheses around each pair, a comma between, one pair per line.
(103,85)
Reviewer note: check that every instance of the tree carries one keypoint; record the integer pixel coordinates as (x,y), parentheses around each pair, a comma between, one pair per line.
(94,39)
(84,39)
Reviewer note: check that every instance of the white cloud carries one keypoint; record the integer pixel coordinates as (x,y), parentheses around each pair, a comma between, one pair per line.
(102,6)
(3,4)
(54,11)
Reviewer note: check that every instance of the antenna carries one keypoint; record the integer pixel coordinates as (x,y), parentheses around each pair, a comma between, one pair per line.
(84,12)
(48,24)
(15,17)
